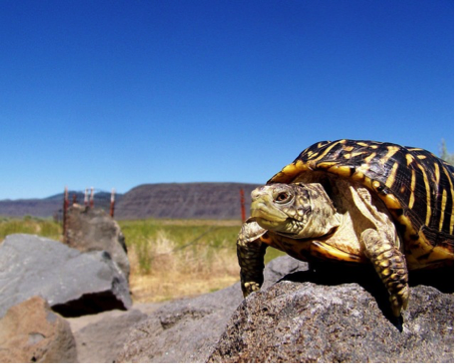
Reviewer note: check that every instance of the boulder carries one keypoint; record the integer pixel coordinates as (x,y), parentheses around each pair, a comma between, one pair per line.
(186,330)
(182,331)
(281,267)
(73,283)
(339,315)
(31,332)
(92,229)
(102,337)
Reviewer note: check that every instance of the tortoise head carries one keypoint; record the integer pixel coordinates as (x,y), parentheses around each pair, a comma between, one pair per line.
(294,210)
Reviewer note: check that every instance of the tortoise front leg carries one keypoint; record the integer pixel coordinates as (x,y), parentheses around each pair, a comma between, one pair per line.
(250,253)
(390,264)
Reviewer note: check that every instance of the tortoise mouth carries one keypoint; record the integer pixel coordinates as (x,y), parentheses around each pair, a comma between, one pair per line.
(263,214)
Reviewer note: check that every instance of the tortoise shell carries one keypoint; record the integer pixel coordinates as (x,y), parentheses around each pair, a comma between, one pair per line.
(415,186)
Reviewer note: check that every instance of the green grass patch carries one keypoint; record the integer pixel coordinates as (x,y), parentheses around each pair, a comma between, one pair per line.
(151,239)
(30,225)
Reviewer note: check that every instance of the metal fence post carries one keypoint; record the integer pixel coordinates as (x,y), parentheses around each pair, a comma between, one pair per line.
(111,212)
(242,204)
(65,208)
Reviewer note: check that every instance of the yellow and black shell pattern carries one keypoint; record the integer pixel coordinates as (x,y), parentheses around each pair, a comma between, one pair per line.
(415,185)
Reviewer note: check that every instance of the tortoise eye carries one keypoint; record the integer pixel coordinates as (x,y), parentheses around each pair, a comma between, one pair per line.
(283,197)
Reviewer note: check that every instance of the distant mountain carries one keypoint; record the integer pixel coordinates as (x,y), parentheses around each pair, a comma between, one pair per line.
(185,201)
(32,207)
(50,206)
(163,200)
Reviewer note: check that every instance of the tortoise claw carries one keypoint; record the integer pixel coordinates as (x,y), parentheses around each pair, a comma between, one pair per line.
(390,264)
(399,301)
(250,287)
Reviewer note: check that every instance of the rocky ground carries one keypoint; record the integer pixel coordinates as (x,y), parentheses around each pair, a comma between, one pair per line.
(61,304)
(302,318)
(100,338)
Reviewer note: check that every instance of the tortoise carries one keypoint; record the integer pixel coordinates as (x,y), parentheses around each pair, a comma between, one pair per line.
(354,201)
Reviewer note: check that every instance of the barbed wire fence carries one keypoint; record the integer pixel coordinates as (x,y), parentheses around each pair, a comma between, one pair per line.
(194,241)
(88,198)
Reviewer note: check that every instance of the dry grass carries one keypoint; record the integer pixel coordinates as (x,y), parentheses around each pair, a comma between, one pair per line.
(169,258)
(171,263)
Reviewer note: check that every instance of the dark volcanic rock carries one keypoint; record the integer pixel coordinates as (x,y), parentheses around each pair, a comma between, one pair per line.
(281,267)
(308,316)
(92,229)
(102,336)
(182,331)
(73,283)
(186,330)
(184,201)
(337,322)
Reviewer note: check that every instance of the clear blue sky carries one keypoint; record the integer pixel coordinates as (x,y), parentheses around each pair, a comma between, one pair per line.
(119,93)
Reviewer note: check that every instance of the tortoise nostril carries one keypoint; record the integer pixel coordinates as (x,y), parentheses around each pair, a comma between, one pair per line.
(257,192)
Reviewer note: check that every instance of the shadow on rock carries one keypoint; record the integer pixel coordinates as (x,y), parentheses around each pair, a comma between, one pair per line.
(338,313)
(333,274)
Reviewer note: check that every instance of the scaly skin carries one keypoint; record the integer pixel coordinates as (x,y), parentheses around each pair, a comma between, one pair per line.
(390,264)
(250,253)
(297,212)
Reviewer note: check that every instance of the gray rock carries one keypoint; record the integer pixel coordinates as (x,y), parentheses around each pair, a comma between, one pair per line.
(92,229)
(186,330)
(183,330)
(281,267)
(308,317)
(31,332)
(101,341)
(73,283)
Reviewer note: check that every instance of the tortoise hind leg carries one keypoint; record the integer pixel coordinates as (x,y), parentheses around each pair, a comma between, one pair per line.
(250,253)
(390,264)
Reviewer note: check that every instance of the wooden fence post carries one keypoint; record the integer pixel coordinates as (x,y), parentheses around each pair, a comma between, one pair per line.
(242,204)
(111,212)
(65,208)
